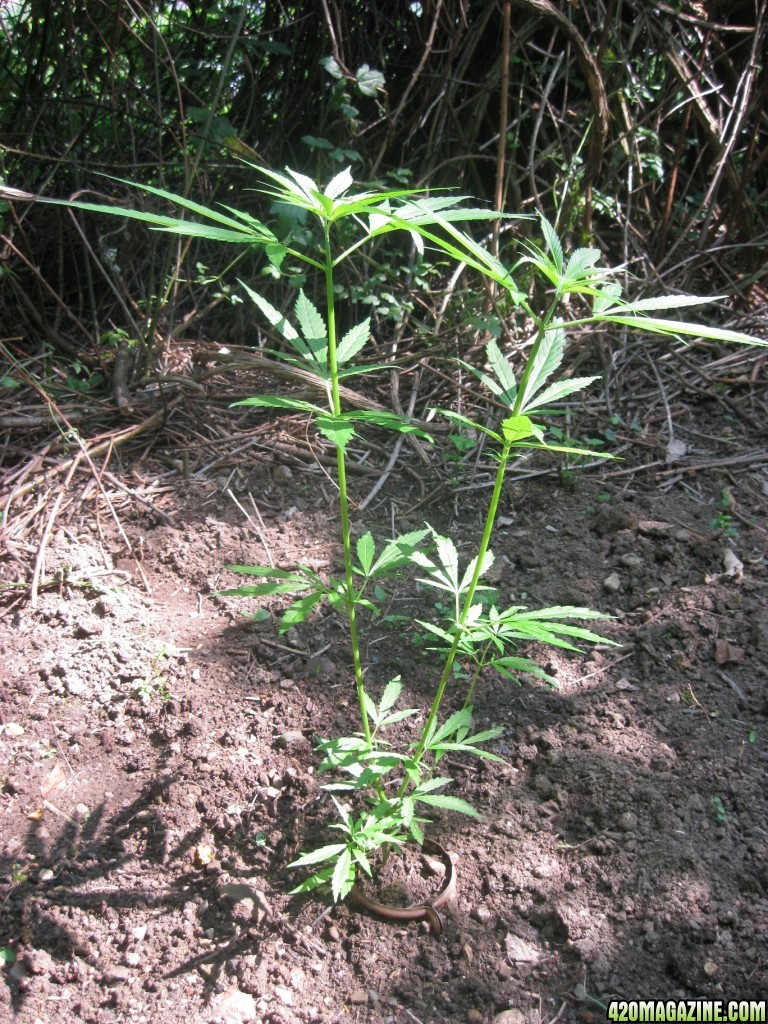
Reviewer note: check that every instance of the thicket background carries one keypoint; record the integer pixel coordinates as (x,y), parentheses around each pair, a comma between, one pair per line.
(642,127)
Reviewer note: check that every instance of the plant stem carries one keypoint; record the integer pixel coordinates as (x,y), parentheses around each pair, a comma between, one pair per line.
(341,469)
(451,657)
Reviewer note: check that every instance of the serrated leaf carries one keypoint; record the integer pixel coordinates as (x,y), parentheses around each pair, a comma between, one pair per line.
(391,695)
(398,552)
(664,302)
(431,784)
(308,187)
(488,560)
(318,856)
(464,421)
(458,721)
(279,402)
(341,882)
(503,371)
(313,882)
(518,428)
(448,559)
(449,803)
(389,421)
(553,244)
(579,262)
(370,708)
(546,360)
(311,323)
(559,390)
(399,716)
(299,611)
(337,429)
(353,341)
(654,325)
(339,184)
(265,570)
(366,549)
(274,316)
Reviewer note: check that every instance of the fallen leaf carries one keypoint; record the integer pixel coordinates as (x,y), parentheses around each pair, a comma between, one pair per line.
(55,779)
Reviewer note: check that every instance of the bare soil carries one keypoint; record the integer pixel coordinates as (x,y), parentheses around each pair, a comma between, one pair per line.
(158,774)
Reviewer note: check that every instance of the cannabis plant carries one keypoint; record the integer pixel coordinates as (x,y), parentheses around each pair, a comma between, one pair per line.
(383,787)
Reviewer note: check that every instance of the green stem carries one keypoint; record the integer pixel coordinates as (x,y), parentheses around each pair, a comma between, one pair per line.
(451,657)
(341,469)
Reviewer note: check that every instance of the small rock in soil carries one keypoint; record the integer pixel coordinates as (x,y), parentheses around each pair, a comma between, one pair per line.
(235,1007)
(513,1016)
(357,997)
(520,951)
(627,821)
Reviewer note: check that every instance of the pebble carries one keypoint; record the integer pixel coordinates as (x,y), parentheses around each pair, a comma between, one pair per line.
(628,821)
(236,1007)
(520,951)
(293,739)
(474,1016)
(612,582)
(357,997)
(117,975)
(513,1016)
(284,995)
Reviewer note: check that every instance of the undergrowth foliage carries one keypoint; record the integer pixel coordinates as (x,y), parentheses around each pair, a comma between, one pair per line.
(384,792)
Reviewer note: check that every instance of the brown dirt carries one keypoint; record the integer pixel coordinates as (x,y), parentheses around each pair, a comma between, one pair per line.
(157,771)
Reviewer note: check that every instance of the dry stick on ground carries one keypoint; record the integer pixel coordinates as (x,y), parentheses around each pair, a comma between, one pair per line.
(40,558)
